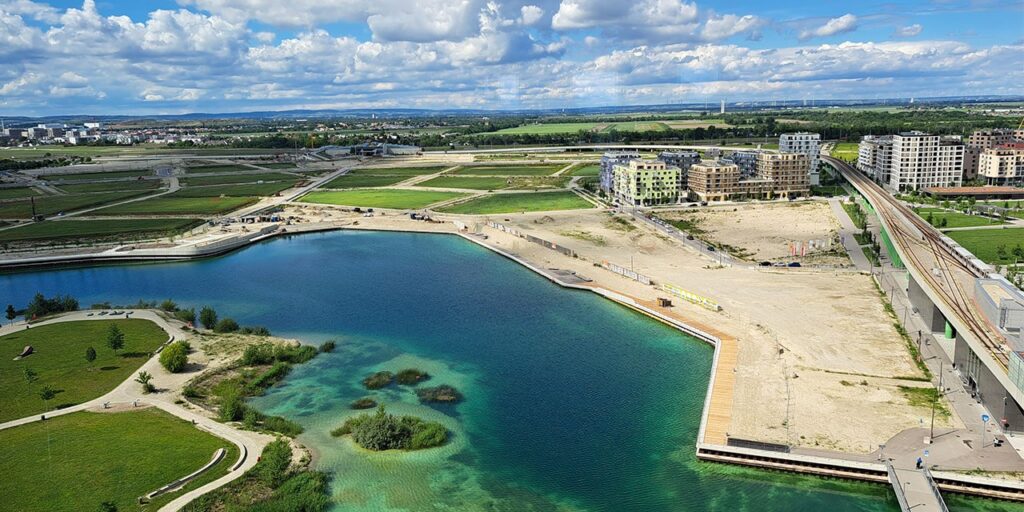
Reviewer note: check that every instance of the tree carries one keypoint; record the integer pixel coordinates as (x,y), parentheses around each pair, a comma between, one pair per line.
(208,317)
(1001,251)
(115,338)
(175,357)
(943,222)
(107,506)
(226,325)
(11,313)
(30,375)
(47,392)
(90,355)
(186,315)
(144,378)
(169,306)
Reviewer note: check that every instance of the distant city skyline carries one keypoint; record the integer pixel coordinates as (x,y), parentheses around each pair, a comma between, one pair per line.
(169,57)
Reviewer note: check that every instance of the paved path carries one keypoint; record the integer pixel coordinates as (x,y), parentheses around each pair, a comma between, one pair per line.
(846,230)
(250,444)
(915,491)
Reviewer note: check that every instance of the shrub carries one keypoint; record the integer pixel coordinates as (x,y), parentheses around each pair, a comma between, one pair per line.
(428,435)
(255,331)
(411,377)
(226,325)
(282,426)
(442,394)
(378,380)
(383,431)
(258,354)
(169,306)
(186,315)
(174,357)
(191,391)
(41,306)
(295,354)
(327,346)
(208,317)
(229,399)
(364,403)
(270,377)
(272,469)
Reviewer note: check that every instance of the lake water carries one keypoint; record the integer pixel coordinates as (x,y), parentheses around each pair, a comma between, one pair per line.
(571,402)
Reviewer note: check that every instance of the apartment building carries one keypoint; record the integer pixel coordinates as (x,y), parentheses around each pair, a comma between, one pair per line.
(608,162)
(1003,165)
(982,140)
(805,143)
(786,173)
(683,160)
(746,161)
(874,157)
(921,160)
(715,180)
(645,183)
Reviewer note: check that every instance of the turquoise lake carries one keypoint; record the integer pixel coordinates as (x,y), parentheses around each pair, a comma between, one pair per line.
(571,402)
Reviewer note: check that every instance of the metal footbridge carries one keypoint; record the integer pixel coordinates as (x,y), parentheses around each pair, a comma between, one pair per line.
(915,490)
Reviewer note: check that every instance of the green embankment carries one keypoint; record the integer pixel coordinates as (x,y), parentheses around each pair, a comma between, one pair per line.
(50,205)
(525,202)
(380,197)
(97,228)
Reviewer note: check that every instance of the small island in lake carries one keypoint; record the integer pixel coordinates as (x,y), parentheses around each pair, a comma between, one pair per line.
(382,431)
(439,394)
(364,403)
(378,380)
(411,376)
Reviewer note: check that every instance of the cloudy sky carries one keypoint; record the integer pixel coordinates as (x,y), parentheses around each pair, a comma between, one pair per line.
(174,56)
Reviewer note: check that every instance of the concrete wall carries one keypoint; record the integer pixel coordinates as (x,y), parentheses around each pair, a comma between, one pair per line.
(992,394)
(931,314)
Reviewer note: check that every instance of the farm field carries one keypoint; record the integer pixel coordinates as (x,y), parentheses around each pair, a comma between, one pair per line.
(955,219)
(380,197)
(218,168)
(59,361)
(526,202)
(50,205)
(111,186)
(125,455)
(174,204)
(236,190)
(96,175)
(399,171)
(363,181)
(237,178)
(508,170)
(95,228)
(467,182)
(18,193)
(984,243)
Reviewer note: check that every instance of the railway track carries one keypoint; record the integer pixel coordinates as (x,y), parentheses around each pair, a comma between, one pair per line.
(907,229)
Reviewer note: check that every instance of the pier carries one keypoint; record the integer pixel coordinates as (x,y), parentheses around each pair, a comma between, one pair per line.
(915,490)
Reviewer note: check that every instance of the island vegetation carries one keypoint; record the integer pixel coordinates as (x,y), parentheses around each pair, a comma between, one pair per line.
(411,376)
(439,394)
(383,431)
(379,380)
(363,403)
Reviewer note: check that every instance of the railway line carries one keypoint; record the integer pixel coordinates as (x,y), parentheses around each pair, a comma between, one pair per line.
(913,235)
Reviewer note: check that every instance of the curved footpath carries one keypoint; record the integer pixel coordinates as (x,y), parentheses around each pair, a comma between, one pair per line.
(250,444)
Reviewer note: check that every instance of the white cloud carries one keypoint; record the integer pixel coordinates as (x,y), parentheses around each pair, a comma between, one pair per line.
(835,26)
(530,14)
(908,31)
(34,10)
(653,21)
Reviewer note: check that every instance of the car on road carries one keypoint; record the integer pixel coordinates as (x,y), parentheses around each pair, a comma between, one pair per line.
(794,264)
(765,264)
(711,248)
(689,237)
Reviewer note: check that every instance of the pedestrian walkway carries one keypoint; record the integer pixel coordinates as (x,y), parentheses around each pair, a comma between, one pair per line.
(915,490)
(846,232)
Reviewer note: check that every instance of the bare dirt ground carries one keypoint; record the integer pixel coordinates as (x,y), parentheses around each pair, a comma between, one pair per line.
(820,363)
(770,232)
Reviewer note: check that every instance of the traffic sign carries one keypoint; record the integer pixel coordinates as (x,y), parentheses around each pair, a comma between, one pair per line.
(926,453)
(984,418)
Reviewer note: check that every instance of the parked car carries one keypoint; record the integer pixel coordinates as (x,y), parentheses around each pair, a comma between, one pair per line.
(765,264)
(689,237)
(711,248)
(794,264)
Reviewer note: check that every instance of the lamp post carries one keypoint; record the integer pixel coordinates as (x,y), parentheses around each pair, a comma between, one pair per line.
(938,396)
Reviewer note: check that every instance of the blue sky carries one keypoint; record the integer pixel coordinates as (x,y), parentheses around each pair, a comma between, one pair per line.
(175,56)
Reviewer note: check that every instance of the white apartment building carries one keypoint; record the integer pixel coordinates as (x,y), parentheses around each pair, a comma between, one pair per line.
(921,160)
(808,144)
(874,157)
(1003,165)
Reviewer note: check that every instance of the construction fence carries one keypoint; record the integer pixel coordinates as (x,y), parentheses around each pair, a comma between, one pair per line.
(530,238)
(691,297)
(625,272)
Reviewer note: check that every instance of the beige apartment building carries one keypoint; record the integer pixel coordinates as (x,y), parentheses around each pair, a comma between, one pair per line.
(714,180)
(982,140)
(646,183)
(779,175)
(1003,165)
(786,172)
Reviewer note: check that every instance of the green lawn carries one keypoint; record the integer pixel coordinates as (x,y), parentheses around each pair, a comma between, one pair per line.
(278,165)
(380,198)
(845,150)
(509,170)
(59,361)
(363,181)
(174,204)
(97,175)
(956,219)
(50,205)
(400,171)
(514,203)
(984,243)
(78,461)
(111,186)
(99,228)
(585,170)
(548,128)
(238,178)
(474,183)
(218,168)
(238,190)
(18,192)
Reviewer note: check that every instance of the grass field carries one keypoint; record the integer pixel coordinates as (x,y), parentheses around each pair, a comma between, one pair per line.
(174,204)
(98,228)
(620,126)
(549,128)
(399,171)
(111,186)
(380,198)
(514,203)
(508,170)
(956,219)
(845,150)
(468,182)
(585,170)
(59,361)
(218,168)
(277,165)
(984,243)
(50,205)
(363,181)
(97,175)
(18,192)
(78,461)
(237,178)
(236,190)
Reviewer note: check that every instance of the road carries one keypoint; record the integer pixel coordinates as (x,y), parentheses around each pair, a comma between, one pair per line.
(596,147)
(129,393)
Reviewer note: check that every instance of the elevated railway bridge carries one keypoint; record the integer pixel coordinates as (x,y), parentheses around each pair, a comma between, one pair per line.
(942,280)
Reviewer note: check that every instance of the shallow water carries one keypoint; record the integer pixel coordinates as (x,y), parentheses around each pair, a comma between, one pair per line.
(572,402)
